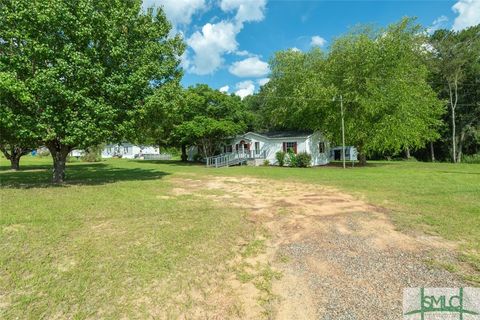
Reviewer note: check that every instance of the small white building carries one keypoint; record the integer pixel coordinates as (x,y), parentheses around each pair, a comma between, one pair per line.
(264,146)
(336,154)
(128,151)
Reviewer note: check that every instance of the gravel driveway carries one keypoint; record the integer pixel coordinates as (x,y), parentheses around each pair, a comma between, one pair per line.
(340,258)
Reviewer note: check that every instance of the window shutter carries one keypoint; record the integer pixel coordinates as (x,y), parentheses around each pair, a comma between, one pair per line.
(284,147)
(295,147)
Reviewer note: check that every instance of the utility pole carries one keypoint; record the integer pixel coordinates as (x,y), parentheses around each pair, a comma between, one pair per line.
(343,131)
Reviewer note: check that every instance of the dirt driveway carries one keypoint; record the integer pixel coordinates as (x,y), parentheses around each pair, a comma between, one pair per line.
(327,254)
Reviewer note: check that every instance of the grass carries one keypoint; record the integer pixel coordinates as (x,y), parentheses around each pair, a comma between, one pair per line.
(108,244)
(111,242)
(440,198)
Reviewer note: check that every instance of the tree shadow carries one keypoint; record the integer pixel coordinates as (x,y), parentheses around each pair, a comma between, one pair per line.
(39,176)
(172,163)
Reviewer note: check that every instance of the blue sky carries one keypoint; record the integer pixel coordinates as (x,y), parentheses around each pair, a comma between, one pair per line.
(229,42)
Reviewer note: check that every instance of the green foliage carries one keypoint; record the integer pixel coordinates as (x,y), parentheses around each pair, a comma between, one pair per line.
(455,62)
(474,158)
(198,157)
(266,162)
(382,78)
(208,117)
(93,154)
(162,111)
(86,66)
(291,158)
(280,156)
(303,160)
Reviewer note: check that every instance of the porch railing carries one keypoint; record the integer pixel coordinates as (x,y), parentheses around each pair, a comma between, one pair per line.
(234,158)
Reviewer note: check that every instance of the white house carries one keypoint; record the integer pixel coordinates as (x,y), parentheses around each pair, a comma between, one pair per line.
(264,146)
(128,150)
(254,148)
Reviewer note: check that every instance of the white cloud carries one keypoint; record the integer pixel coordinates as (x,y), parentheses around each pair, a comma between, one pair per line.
(295,49)
(247,10)
(242,53)
(216,39)
(263,81)
(224,89)
(250,67)
(177,11)
(318,41)
(245,88)
(468,14)
(437,24)
(210,44)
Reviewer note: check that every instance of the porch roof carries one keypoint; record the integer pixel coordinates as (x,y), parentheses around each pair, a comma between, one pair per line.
(281,134)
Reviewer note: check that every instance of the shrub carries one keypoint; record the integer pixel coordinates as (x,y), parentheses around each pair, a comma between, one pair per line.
(198,157)
(280,156)
(473,158)
(292,158)
(266,163)
(303,160)
(71,159)
(93,154)
(43,152)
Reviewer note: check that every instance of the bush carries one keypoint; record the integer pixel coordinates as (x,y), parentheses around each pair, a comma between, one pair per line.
(292,158)
(198,157)
(71,159)
(473,158)
(43,152)
(280,156)
(303,160)
(266,163)
(93,154)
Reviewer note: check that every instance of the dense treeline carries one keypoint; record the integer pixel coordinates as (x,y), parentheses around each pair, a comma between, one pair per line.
(397,86)
(76,74)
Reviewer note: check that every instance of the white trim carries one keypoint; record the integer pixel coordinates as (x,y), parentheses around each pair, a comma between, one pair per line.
(283,138)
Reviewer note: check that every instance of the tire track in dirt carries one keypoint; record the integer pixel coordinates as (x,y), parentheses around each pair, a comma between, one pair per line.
(339,257)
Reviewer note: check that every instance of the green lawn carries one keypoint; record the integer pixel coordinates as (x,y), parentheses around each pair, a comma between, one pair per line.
(111,241)
(111,245)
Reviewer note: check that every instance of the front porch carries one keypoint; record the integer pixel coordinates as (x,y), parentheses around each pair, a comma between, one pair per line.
(243,156)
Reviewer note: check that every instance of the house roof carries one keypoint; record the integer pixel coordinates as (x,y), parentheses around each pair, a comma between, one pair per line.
(284,134)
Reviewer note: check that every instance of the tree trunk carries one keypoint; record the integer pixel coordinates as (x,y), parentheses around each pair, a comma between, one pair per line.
(453,106)
(407,153)
(460,147)
(15,162)
(432,151)
(14,153)
(59,153)
(362,158)
(184,156)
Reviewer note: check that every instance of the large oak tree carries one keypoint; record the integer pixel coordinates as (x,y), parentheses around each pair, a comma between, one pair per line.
(381,77)
(88,66)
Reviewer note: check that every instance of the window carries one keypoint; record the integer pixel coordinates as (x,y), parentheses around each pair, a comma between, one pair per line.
(257,147)
(125,150)
(228,148)
(321,147)
(290,146)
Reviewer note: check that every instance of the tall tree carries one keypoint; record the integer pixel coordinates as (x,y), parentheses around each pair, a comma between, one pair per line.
(388,103)
(156,122)
(88,64)
(456,66)
(209,117)
(16,136)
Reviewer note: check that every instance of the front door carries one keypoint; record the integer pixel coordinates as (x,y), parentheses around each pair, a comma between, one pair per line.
(337,155)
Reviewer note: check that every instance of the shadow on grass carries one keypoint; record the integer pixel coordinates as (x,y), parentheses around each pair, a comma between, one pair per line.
(172,163)
(78,174)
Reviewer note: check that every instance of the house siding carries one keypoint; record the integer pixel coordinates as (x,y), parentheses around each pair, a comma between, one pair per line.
(270,146)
